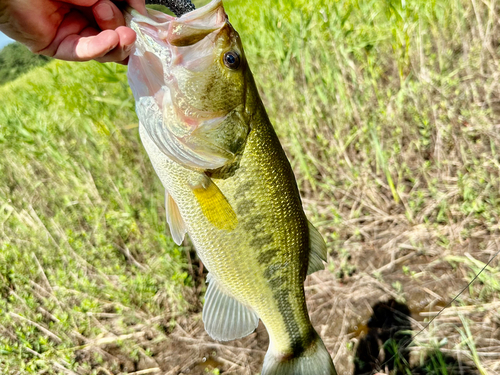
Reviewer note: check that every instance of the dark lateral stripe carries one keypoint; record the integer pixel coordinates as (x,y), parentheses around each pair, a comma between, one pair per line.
(277,282)
(242,189)
(252,222)
(265,257)
(282,296)
(261,241)
(272,269)
(244,207)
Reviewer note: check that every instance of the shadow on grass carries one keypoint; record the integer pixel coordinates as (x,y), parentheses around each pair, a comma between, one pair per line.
(385,348)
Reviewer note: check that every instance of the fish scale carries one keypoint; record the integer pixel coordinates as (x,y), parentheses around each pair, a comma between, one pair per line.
(266,247)
(229,185)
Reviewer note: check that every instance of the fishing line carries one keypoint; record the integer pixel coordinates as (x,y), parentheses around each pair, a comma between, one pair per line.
(399,350)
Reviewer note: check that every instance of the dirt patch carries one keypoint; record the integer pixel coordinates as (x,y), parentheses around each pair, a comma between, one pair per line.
(340,310)
(391,261)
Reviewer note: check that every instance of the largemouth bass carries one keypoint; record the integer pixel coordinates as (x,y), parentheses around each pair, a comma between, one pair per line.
(228,183)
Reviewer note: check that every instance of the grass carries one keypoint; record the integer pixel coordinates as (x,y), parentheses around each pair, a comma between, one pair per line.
(16,59)
(389,112)
(82,228)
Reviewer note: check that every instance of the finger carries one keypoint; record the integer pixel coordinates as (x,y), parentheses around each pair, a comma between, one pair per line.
(73,23)
(37,30)
(139,5)
(122,50)
(82,3)
(89,31)
(83,48)
(107,15)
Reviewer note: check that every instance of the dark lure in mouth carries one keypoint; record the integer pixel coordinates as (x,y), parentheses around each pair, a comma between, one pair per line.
(178,7)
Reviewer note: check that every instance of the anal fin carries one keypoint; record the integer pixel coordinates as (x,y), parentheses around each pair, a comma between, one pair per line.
(224,317)
(174,219)
(318,250)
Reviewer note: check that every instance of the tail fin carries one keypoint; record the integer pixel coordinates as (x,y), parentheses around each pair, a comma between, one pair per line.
(315,360)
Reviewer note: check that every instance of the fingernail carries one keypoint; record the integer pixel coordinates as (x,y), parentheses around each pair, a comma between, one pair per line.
(105,11)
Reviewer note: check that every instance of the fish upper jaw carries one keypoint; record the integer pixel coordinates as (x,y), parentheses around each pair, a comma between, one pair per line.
(211,12)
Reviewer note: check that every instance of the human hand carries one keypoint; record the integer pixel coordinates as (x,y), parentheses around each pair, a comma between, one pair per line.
(74,30)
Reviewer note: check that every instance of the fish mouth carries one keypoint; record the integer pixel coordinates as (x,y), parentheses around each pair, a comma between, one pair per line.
(166,51)
(194,26)
(165,43)
(182,31)
(161,42)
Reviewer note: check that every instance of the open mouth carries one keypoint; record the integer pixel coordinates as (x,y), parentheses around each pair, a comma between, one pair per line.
(162,39)
(165,36)
(212,13)
(180,31)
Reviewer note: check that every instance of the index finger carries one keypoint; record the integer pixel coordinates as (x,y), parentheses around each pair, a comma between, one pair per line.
(81,3)
(139,5)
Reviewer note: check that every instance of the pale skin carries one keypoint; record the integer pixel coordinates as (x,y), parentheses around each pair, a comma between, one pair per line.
(73,30)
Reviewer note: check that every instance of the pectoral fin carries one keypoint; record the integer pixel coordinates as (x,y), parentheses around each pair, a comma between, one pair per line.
(317,250)
(224,317)
(215,206)
(174,219)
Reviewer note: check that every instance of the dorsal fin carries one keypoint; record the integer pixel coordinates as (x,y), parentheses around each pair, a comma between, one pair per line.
(317,250)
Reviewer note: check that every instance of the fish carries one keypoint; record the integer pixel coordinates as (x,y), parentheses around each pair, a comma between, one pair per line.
(228,183)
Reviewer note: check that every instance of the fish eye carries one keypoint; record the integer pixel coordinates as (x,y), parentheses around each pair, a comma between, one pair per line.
(232,60)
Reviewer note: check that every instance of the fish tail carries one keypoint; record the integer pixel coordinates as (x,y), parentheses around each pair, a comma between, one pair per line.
(315,360)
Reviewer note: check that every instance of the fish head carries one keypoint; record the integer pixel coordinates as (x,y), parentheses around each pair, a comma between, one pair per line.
(195,70)
(208,58)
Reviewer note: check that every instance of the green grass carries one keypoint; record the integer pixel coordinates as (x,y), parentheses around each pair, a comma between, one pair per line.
(16,59)
(82,231)
(389,112)
(377,99)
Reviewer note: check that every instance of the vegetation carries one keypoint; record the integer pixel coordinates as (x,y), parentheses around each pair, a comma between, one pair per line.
(389,112)
(16,59)
(83,231)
